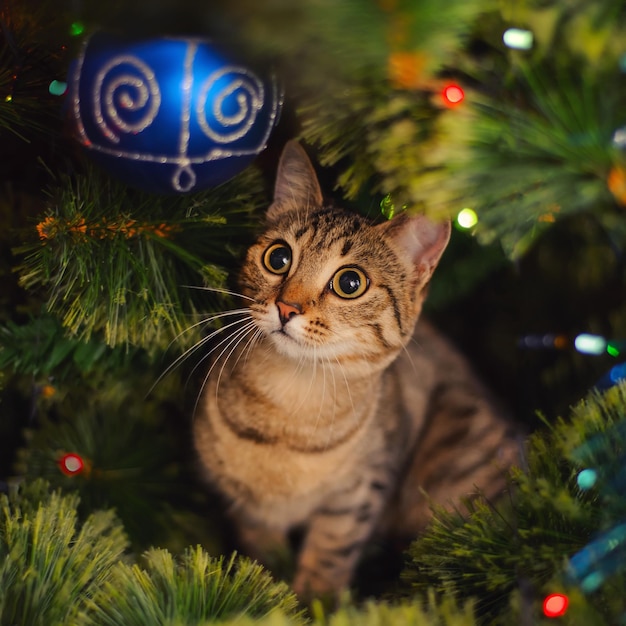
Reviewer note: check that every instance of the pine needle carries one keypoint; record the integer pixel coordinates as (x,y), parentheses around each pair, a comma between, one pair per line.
(116,261)
(494,551)
(189,590)
(50,564)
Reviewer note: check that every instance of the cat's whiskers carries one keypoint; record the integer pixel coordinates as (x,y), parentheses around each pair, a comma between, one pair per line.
(258,334)
(240,335)
(285,389)
(406,350)
(232,342)
(201,342)
(241,312)
(226,292)
(229,340)
(309,355)
(245,352)
(321,404)
(332,421)
(304,361)
(348,390)
(206,321)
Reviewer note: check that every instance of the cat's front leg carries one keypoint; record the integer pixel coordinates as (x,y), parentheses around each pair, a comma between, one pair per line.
(336,537)
(267,545)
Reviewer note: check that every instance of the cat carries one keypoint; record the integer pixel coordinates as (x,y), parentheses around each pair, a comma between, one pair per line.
(326,407)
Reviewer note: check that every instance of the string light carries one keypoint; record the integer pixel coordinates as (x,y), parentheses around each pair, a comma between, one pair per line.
(71,464)
(605,555)
(50,227)
(543,342)
(467,218)
(387,207)
(555,605)
(77,29)
(587,478)
(518,39)
(453,95)
(599,559)
(617,373)
(57,87)
(619,138)
(585,343)
(590,344)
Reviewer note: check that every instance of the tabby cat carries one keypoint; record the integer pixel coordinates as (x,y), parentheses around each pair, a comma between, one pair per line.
(326,407)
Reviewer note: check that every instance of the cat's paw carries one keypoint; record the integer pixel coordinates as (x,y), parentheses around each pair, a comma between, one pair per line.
(314,589)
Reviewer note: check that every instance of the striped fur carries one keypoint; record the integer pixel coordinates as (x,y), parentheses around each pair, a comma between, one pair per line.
(338,417)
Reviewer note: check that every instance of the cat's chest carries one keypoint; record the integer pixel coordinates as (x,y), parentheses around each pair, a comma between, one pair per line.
(284,445)
(304,408)
(281,484)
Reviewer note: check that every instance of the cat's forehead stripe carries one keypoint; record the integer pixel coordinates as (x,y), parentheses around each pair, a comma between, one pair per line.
(300,233)
(328,226)
(347,246)
(396,306)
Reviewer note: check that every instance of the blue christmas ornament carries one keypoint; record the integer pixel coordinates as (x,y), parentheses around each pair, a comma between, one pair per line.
(169,115)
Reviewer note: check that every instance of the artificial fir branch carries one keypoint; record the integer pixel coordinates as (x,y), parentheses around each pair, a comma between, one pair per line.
(29,62)
(536,147)
(50,565)
(429,611)
(526,539)
(134,458)
(391,156)
(55,571)
(353,38)
(532,150)
(40,348)
(368,98)
(188,590)
(121,262)
(593,31)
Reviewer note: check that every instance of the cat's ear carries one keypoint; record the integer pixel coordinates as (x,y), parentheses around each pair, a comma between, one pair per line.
(420,239)
(296,182)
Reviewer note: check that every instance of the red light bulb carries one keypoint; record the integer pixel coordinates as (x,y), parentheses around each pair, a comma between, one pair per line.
(71,464)
(555,605)
(453,95)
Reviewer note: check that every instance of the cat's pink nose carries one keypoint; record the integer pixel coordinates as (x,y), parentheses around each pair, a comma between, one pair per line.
(286,310)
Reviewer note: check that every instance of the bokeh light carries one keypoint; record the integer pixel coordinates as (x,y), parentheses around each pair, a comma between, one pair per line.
(587,479)
(590,344)
(387,207)
(71,464)
(518,39)
(613,349)
(467,218)
(618,373)
(57,87)
(555,605)
(77,29)
(453,95)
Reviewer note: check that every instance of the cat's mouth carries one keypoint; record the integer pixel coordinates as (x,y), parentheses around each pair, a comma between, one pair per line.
(283,333)
(288,344)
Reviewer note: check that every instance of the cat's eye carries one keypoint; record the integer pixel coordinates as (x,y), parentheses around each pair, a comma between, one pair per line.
(277,258)
(349,282)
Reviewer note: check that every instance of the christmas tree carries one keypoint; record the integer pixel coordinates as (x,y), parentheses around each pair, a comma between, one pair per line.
(139,145)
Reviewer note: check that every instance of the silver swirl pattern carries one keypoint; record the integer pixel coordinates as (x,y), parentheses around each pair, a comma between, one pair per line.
(116,94)
(222,85)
